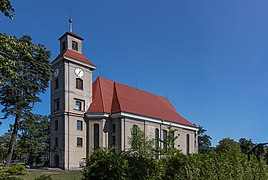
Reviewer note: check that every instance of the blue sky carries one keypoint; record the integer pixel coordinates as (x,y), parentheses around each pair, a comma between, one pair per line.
(208,57)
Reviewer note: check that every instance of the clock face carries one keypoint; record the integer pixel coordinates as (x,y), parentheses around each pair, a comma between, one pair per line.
(56,72)
(79,72)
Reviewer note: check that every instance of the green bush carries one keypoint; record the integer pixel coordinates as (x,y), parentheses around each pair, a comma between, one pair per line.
(17,169)
(105,164)
(8,177)
(43,177)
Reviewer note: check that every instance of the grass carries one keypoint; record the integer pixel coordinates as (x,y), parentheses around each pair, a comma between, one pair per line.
(70,175)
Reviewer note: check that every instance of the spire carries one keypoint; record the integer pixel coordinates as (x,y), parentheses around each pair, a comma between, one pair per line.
(71,22)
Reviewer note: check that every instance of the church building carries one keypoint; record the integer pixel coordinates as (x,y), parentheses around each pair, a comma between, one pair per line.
(86,115)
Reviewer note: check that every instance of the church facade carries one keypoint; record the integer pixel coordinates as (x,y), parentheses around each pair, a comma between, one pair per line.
(86,115)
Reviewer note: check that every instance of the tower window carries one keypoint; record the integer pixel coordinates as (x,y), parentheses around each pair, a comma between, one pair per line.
(79,83)
(187,144)
(56,125)
(56,83)
(79,125)
(96,136)
(79,142)
(74,45)
(56,104)
(63,45)
(79,105)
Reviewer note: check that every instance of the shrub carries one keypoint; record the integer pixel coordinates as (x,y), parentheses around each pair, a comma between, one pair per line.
(43,177)
(17,169)
(8,177)
(105,164)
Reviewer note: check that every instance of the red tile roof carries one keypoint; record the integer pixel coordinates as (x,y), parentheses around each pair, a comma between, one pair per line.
(74,55)
(72,34)
(113,97)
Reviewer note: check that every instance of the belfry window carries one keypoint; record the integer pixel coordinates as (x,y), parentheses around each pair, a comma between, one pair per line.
(74,45)
(79,83)
(63,45)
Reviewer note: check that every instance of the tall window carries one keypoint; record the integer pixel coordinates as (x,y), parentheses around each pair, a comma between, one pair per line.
(63,45)
(74,45)
(56,104)
(56,83)
(156,142)
(79,125)
(96,136)
(187,144)
(79,83)
(56,142)
(164,139)
(134,136)
(56,125)
(79,142)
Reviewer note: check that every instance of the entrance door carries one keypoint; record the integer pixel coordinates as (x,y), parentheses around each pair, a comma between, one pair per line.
(56,161)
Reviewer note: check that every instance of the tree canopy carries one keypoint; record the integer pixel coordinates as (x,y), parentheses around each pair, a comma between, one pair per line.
(6,8)
(18,93)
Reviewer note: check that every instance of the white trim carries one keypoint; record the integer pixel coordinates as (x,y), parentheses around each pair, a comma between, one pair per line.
(96,115)
(153,120)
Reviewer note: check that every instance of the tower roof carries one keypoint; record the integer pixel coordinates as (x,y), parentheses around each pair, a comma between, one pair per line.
(112,97)
(71,34)
(74,55)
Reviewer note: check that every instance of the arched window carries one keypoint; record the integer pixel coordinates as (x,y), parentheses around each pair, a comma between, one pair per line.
(156,143)
(74,45)
(56,83)
(79,83)
(187,144)
(96,136)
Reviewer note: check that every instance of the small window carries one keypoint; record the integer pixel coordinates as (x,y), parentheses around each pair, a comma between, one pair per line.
(79,142)
(187,144)
(74,45)
(56,142)
(56,104)
(63,45)
(56,125)
(78,105)
(79,125)
(79,83)
(96,136)
(164,139)
(56,83)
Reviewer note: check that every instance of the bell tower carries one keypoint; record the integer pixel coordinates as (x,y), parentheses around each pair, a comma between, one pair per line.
(71,95)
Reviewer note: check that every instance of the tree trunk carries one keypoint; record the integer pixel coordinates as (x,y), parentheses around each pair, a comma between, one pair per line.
(12,141)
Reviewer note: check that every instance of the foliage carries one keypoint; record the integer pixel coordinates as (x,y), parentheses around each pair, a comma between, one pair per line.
(204,141)
(170,149)
(19,93)
(227,145)
(145,166)
(139,143)
(34,138)
(43,177)
(105,164)
(8,177)
(245,145)
(17,169)
(6,8)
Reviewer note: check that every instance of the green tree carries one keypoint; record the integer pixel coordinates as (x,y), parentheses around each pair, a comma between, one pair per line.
(227,145)
(6,8)
(18,94)
(169,143)
(34,138)
(105,164)
(204,141)
(245,145)
(138,142)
